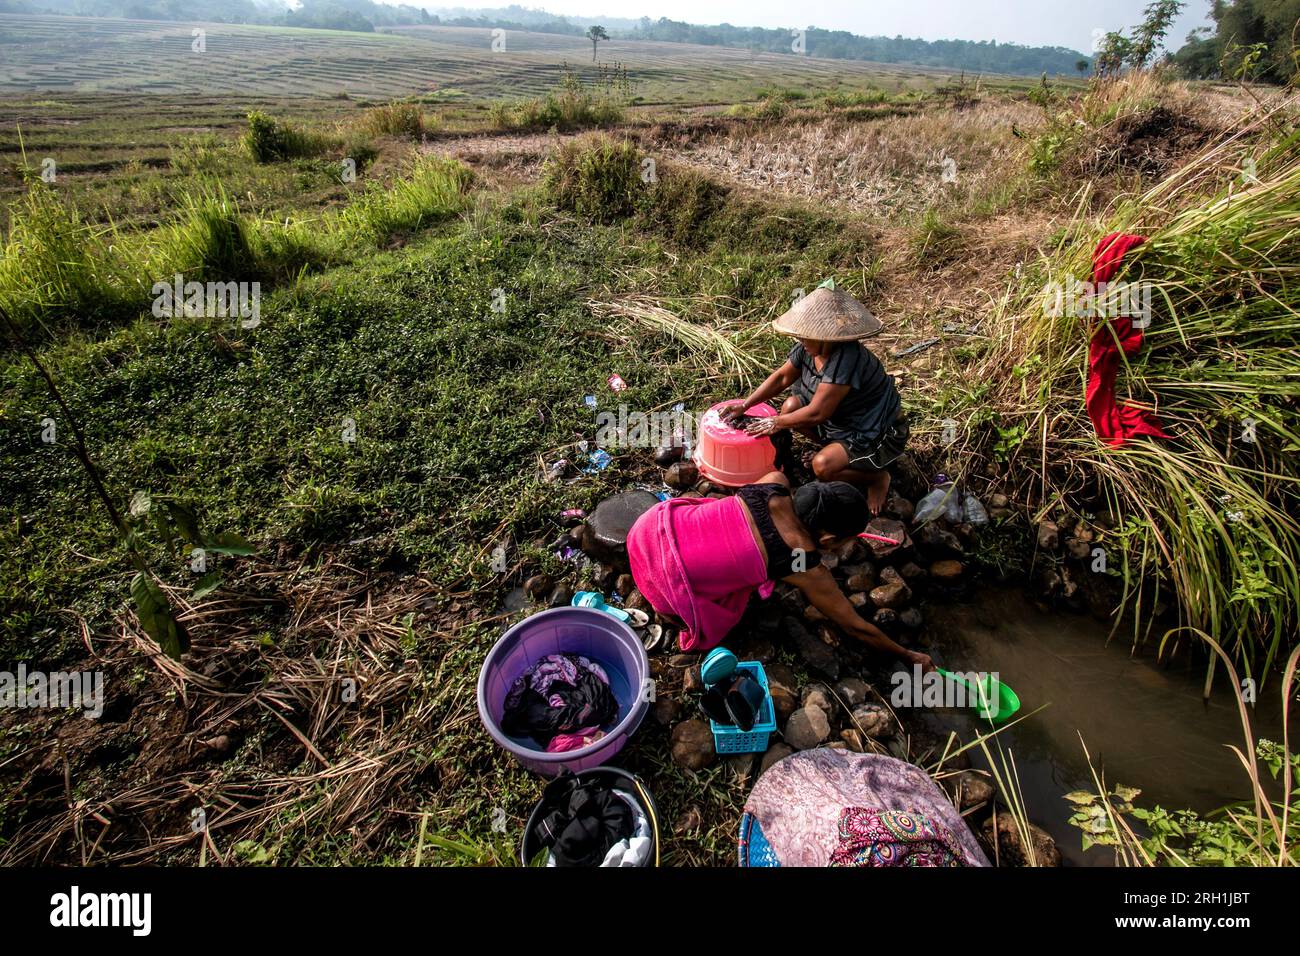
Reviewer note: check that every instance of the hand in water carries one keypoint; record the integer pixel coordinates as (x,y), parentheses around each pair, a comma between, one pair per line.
(762,426)
(731,410)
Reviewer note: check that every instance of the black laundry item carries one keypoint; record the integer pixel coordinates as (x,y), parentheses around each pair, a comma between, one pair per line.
(780,556)
(582,821)
(588,704)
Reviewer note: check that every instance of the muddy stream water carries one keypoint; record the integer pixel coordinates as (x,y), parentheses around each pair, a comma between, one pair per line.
(1144,722)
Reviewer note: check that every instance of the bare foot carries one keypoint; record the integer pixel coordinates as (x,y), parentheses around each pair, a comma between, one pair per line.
(877,491)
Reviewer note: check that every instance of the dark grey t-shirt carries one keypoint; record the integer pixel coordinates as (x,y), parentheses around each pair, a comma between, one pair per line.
(872,402)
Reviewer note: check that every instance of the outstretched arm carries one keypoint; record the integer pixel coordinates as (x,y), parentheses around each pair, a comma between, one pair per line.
(825,595)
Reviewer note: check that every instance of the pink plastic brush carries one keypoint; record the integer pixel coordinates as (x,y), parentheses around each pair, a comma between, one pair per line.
(877,537)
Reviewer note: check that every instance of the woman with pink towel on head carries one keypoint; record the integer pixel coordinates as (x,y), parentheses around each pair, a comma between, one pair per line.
(698,560)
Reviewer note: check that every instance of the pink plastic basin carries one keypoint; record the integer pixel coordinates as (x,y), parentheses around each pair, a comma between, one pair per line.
(730,457)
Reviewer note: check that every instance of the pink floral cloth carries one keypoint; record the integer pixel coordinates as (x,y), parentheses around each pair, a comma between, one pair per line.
(800,803)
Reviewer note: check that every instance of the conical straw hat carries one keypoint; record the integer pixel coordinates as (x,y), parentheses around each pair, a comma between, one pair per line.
(827,314)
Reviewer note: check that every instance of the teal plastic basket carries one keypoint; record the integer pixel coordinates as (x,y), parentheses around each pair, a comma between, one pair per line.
(728,739)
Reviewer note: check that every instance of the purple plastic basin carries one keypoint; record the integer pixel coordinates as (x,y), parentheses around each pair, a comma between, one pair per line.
(566,630)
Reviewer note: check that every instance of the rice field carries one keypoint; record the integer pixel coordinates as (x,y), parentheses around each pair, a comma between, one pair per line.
(137,56)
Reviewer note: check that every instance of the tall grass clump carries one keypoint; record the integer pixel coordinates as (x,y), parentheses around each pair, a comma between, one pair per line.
(269,140)
(1212,512)
(394,119)
(211,239)
(597,177)
(57,266)
(572,105)
(435,189)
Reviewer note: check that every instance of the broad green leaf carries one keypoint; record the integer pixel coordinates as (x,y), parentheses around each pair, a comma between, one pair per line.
(156,617)
(206,585)
(1080,796)
(227,542)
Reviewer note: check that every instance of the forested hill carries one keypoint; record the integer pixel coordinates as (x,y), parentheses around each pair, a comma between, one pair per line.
(986,56)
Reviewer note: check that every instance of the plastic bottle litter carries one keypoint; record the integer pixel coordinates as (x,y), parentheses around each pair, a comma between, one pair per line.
(973,510)
(616,382)
(944,501)
(589,401)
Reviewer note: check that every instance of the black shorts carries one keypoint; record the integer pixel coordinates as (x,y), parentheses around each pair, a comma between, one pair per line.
(867,454)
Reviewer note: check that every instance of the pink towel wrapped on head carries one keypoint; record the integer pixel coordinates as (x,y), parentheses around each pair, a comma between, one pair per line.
(697,558)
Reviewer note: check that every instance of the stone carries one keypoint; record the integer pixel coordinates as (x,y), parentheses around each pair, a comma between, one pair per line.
(885,618)
(829,636)
(814,652)
(692,682)
(888,528)
(704,487)
(806,728)
(684,660)
(667,455)
(892,596)
(1078,548)
(624,585)
(784,701)
(778,751)
(890,575)
(665,710)
(1011,851)
(861,567)
(972,790)
(935,542)
(607,527)
(873,720)
(860,582)
(692,745)
(853,738)
(911,618)
(896,506)
(636,601)
(538,586)
(813,614)
(911,571)
(681,475)
(781,674)
(853,691)
(836,745)
(858,599)
(851,551)
(819,696)
(830,561)
(946,570)
(1049,535)
(562,596)
(999,501)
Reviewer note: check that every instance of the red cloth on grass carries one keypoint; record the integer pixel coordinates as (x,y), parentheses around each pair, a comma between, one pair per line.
(1115,421)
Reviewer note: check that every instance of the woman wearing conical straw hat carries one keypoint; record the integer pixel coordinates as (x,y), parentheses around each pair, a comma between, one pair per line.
(840,395)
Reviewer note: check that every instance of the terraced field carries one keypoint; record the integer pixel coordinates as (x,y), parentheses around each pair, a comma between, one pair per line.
(138,56)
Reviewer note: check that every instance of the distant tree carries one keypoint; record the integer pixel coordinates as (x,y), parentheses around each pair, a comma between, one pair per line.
(1083,66)
(1116,50)
(595,34)
(1147,36)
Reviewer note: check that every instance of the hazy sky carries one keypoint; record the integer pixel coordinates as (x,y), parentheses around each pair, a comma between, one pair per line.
(1031,22)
